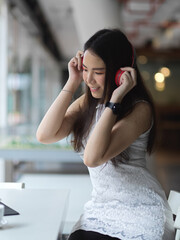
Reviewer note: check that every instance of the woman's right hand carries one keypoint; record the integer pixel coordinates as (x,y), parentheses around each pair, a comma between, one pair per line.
(75,69)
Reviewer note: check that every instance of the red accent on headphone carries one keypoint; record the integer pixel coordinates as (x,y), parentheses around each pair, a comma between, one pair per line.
(118,77)
(81,62)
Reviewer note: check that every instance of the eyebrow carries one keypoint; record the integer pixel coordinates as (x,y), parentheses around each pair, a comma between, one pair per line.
(95,68)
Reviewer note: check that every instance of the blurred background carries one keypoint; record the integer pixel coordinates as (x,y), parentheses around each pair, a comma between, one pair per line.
(38,38)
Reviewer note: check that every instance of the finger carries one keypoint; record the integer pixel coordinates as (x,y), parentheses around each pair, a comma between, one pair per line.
(79,63)
(126,75)
(129,69)
(74,62)
(79,53)
(79,56)
(134,76)
(127,78)
(132,72)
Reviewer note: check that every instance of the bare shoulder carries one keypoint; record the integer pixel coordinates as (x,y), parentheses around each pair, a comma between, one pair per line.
(144,108)
(138,121)
(142,116)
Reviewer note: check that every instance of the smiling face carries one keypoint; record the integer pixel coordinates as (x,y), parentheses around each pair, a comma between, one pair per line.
(94,71)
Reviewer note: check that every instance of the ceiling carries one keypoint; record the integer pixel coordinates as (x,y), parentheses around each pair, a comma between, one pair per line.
(147,23)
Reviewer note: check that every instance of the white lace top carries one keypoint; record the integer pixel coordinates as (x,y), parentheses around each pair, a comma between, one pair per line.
(127,201)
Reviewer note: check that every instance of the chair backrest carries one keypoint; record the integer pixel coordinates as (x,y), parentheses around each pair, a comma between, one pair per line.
(174,202)
(12,185)
(177,225)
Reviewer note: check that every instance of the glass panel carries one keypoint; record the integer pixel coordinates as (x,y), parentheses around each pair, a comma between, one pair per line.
(33,81)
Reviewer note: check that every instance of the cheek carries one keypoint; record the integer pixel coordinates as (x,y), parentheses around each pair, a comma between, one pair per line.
(84,75)
(101,80)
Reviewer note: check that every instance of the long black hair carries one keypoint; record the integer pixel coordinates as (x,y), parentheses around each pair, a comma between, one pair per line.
(113,47)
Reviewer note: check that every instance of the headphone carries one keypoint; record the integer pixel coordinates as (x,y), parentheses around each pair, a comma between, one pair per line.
(119,73)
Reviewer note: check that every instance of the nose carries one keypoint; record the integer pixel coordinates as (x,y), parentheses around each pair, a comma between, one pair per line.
(90,78)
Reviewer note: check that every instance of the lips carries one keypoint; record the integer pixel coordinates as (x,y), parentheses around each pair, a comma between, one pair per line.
(93,89)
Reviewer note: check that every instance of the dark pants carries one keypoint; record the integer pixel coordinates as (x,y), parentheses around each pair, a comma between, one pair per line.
(89,235)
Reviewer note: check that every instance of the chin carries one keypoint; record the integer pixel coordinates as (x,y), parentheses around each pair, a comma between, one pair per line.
(97,96)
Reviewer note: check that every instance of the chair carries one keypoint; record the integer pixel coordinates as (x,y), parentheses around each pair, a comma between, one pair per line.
(174,202)
(12,185)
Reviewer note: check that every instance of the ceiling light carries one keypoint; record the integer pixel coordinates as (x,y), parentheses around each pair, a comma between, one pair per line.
(159,77)
(160,86)
(142,59)
(165,71)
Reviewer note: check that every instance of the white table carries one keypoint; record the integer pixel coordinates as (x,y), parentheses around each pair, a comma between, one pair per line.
(42,213)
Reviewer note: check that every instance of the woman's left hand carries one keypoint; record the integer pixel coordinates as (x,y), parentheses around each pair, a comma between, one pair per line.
(128,81)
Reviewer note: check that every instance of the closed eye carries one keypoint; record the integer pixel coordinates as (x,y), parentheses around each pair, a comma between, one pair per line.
(99,73)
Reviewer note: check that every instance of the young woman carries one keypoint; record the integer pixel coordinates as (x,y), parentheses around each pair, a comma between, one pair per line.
(113,127)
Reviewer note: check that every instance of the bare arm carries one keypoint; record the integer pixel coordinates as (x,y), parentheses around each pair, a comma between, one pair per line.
(58,121)
(113,138)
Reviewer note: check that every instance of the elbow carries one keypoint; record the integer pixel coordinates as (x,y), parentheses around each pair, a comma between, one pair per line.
(41,138)
(91,162)
(93,159)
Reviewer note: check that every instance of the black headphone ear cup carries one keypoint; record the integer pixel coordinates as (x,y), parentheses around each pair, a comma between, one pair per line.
(118,77)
